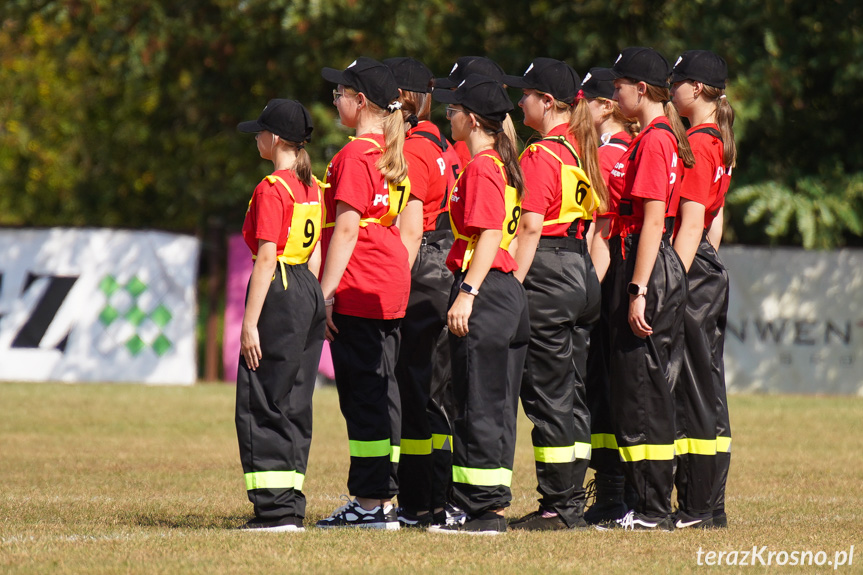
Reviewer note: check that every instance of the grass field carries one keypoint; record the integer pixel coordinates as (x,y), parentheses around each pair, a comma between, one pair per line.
(134,479)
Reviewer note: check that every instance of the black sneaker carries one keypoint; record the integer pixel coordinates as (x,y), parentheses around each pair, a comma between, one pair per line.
(537,522)
(408,519)
(634,521)
(290,523)
(683,520)
(606,494)
(720,520)
(353,515)
(486,524)
(452,514)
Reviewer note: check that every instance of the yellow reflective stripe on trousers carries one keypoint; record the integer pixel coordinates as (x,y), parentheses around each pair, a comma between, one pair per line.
(274,480)
(441,441)
(650,452)
(723,444)
(380,448)
(416,446)
(561,454)
(695,446)
(603,441)
(482,477)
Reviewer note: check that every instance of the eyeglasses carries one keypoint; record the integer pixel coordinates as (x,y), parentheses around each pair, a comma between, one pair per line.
(450,112)
(336,96)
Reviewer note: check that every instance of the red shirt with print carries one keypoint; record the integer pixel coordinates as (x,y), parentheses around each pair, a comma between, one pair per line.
(271,209)
(652,174)
(477,203)
(376,282)
(427,172)
(611,160)
(707,181)
(542,179)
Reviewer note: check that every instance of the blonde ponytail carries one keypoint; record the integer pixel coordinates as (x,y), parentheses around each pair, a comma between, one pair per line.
(583,129)
(392,163)
(725,121)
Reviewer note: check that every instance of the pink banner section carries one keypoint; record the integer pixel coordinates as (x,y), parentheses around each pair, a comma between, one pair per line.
(238,271)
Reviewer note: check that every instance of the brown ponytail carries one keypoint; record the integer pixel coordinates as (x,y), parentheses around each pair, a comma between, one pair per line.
(725,121)
(663,95)
(303,167)
(505,148)
(582,128)
(415,104)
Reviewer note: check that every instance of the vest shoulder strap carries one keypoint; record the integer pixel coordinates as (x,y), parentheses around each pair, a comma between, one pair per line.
(709,130)
(565,142)
(273,179)
(439,142)
(661,126)
(618,142)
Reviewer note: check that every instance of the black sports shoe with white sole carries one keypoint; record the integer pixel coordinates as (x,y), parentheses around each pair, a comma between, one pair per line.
(489,523)
(409,519)
(283,525)
(353,515)
(634,521)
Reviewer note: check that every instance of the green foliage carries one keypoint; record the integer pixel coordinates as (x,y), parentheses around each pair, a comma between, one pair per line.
(816,212)
(121,113)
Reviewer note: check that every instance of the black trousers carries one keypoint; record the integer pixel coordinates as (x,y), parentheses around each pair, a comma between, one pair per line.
(696,397)
(423,374)
(563,296)
(644,372)
(604,455)
(364,358)
(273,411)
(487,366)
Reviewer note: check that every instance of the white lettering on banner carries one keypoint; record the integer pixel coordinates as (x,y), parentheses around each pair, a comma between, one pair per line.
(720,171)
(673,177)
(382,199)
(97,305)
(795,320)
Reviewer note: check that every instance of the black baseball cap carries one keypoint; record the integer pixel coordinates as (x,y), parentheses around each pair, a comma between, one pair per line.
(410,74)
(480,94)
(288,119)
(368,76)
(702,66)
(467,65)
(642,65)
(598,83)
(550,76)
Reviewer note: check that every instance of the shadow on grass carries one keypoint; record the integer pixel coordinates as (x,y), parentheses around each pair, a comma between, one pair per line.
(191,521)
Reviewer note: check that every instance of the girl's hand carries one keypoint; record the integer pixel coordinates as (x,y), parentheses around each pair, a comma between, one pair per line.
(250,346)
(331,330)
(636,316)
(458,315)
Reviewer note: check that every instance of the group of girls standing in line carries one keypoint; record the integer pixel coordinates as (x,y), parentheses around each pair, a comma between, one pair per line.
(455,279)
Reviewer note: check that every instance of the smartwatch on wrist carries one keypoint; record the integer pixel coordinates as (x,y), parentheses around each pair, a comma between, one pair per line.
(635,289)
(468,289)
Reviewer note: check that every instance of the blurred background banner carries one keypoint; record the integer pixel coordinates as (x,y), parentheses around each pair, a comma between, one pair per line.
(86,305)
(795,320)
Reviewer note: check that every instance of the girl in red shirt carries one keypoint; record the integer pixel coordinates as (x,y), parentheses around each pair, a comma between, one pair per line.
(283,325)
(648,289)
(423,371)
(487,317)
(703,431)
(365,281)
(562,289)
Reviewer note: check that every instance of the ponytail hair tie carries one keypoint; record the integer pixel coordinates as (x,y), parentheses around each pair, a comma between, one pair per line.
(579,96)
(413,120)
(394,106)
(722,97)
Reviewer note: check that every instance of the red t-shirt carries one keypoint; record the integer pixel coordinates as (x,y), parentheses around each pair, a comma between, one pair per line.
(427,172)
(542,179)
(376,282)
(653,174)
(611,160)
(477,203)
(707,181)
(463,152)
(271,209)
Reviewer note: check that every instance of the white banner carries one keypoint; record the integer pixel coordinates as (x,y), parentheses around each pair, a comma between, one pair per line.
(86,305)
(795,320)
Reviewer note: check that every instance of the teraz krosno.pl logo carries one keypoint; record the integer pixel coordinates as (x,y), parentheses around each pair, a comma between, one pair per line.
(764,556)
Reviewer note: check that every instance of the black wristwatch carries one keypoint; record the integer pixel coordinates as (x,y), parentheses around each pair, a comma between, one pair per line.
(635,289)
(468,289)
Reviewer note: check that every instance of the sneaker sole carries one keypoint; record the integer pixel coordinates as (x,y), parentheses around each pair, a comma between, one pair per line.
(438,529)
(389,526)
(278,529)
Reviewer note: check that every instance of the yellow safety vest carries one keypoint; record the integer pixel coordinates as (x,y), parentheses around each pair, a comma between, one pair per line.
(510,223)
(578,200)
(307,217)
(396,199)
